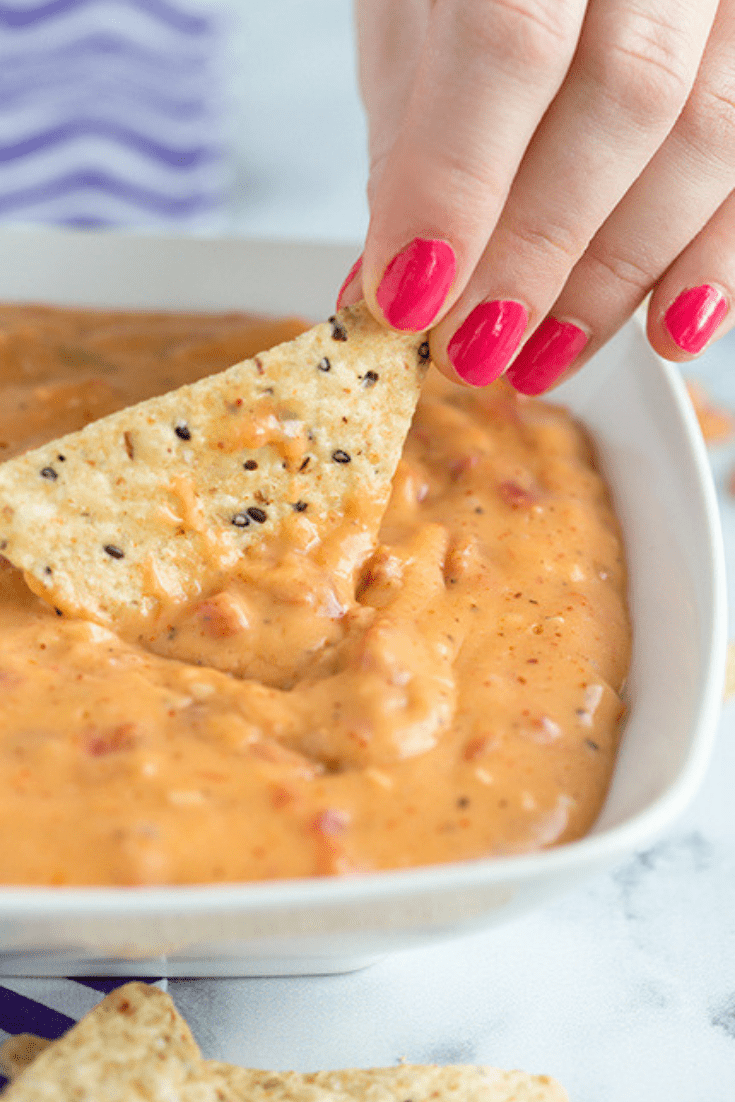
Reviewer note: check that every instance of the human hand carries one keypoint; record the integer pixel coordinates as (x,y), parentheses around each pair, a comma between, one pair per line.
(539,166)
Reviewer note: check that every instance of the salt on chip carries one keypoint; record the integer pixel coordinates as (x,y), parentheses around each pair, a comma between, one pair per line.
(133,1046)
(152,504)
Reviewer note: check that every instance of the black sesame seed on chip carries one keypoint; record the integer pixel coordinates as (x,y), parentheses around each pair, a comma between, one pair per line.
(50,473)
(305,464)
(114,552)
(424,351)
(47,570)
(300,506)
(258,515)
(250,465)
(61,458)
(370,378)
(58,611)
(339,333)
(241,520)
(340,456)
(324,364)
(183,431)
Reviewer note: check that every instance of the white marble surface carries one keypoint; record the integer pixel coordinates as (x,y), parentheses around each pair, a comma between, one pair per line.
(625,989)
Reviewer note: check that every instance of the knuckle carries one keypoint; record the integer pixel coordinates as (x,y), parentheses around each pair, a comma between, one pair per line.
(646,68)
(534,32)
(555,243)
(707,122)
(612,267)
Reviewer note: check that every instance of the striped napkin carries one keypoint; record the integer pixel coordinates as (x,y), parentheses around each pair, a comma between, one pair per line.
(112,112)
(48,1007)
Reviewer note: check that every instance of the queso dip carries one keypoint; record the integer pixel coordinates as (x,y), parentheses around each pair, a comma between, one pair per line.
(461,701)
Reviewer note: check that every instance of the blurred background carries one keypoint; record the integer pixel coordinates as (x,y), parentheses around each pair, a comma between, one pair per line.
(202,116)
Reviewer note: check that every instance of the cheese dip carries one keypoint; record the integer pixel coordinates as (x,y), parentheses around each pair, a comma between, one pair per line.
(458,696)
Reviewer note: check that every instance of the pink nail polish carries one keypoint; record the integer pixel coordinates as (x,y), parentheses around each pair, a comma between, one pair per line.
(482,347)
(694,316)
(546,354)
(415,284)
(350,276)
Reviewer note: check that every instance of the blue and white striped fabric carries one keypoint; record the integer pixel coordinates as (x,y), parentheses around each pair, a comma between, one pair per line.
(111,112)
(50,1007)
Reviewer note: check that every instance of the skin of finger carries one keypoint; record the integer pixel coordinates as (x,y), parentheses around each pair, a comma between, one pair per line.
(678,194)
(352,293)
(582,160)
(389,39)
(481,88)
(708,260)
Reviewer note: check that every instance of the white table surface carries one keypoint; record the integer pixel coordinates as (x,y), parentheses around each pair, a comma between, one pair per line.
(625,989)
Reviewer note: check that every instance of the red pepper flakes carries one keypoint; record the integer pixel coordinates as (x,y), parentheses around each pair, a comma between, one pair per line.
(515,495)
(475,748)
(330,822)
(122,737)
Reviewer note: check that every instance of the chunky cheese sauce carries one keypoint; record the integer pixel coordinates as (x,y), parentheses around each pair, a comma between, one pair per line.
(457,697)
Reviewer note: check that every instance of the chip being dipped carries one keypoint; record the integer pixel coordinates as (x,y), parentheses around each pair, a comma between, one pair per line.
(154,503)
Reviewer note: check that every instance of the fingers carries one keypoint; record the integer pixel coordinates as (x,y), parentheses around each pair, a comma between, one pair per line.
(486,74)
(389,36)
(681,197)
(632,73)
(691,306)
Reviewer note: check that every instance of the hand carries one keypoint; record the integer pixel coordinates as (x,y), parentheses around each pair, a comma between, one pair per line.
(539,166)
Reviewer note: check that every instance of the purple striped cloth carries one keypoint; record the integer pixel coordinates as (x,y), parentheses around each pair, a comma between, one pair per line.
(50,1007)
(112,112)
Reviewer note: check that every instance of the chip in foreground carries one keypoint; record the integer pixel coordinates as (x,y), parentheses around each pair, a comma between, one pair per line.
(135,1047)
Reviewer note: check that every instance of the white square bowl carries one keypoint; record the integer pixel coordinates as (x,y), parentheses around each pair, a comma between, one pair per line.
(654,458)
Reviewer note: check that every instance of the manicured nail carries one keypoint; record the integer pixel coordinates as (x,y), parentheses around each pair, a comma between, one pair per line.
(547,353)
(694,316)
(484,344)
(350,276)
(415,284)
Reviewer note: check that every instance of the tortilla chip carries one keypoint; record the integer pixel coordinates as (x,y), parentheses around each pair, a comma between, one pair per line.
(132,1046)
(419,1083)
(135,1046)
(152,504)
(19,1051)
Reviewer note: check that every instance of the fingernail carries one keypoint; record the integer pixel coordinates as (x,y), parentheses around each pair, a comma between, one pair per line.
(547,353)
(415,284)
(694,316)
(350,276)
(484,344)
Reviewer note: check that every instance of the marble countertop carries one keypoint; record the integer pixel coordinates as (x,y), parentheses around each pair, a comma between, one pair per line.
(625,988)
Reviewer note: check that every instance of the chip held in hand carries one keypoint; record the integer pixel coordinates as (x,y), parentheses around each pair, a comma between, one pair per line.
(153,505)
